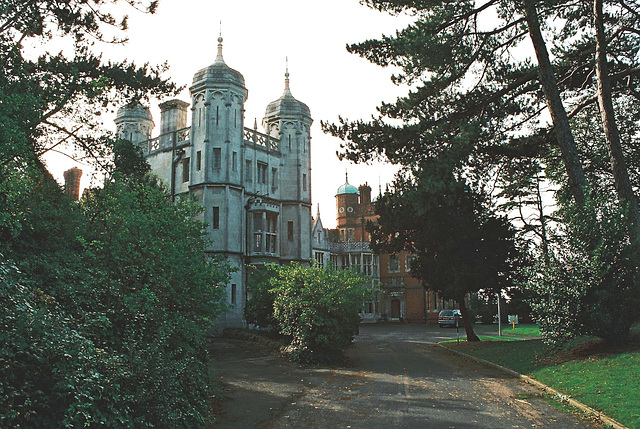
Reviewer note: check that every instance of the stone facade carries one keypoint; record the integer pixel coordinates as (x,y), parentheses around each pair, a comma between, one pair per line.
(254,187)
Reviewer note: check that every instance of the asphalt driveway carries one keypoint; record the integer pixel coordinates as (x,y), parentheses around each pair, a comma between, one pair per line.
(396,378)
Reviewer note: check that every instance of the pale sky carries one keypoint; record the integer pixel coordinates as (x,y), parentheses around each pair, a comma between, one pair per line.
(258,36)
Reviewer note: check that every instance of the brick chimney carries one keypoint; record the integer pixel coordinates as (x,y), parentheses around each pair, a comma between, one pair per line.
(72,182)
(365,193)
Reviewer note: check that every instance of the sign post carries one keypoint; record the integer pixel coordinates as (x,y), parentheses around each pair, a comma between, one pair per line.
(499,321)
(513,319)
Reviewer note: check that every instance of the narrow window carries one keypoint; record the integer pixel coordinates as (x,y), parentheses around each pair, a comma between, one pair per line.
(185,169)
(217,115)
(217,158)
(247,171)
(262,173)
(199,160)
(289,143)
(411,260)
(233,293)
(271,232)
(234,164)
(394,266)
(274,179)
(304,182)
(290,230)
(215,221)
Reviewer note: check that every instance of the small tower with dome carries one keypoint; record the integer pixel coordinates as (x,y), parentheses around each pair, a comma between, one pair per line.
(346,206)
(289,120)
(134,123)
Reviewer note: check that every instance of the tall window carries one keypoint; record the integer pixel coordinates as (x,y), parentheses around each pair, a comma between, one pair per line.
(185,169)
(215,219)
(304,182)
(233,293)
(258,229)
(410,261)
(290,230)
(355,261)
(319,256)
(262,173)
(248,175)
(394,266)
(274,179)
(367,265)
(270,233)
(344,263)
(234,162)
(217,158)
(350,234)
(264,232)
(199,160)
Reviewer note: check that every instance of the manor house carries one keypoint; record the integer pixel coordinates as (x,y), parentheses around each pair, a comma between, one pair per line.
(254,186)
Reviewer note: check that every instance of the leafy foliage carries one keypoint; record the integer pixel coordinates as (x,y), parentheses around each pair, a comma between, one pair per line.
(259,308)
(105,322)
(460,246)
(590,285)
(317,308)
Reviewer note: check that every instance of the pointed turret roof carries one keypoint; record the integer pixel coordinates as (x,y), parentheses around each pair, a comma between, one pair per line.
(219,71)
(287,104)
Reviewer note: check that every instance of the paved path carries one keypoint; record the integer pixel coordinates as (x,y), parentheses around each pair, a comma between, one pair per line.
(397,378)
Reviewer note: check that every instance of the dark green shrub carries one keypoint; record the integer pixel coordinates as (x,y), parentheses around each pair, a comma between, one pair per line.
(259,308)
(319,309)
(589,286)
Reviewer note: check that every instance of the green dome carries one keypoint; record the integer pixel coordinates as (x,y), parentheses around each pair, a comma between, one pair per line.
(347,189)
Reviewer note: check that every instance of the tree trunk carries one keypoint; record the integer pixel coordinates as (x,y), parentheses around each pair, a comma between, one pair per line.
(467,320)
(558,114)
(611,133)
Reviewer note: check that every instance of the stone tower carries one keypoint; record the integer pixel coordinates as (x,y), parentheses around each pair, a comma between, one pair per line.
(289,121)
(254,187)
(347,203)
(134,123)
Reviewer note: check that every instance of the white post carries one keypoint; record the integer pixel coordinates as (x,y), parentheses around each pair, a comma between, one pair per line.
(499,321)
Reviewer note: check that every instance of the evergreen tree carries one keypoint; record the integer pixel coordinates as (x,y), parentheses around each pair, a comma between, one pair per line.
(460,246)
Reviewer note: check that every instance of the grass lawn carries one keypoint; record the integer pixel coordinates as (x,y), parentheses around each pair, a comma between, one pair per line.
(603,378)
(529,330)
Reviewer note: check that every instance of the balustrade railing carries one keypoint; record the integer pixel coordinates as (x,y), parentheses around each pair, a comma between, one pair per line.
(166,140)
(260,139)
(351,246)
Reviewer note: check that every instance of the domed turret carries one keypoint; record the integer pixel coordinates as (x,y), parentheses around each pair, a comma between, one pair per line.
(347,189)
(133,112)
(219,72)
(134,123)
(287,105)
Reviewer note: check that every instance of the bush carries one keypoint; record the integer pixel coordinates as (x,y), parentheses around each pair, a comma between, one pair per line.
(319,309)
(589,285)
(103,320)
(259,308)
